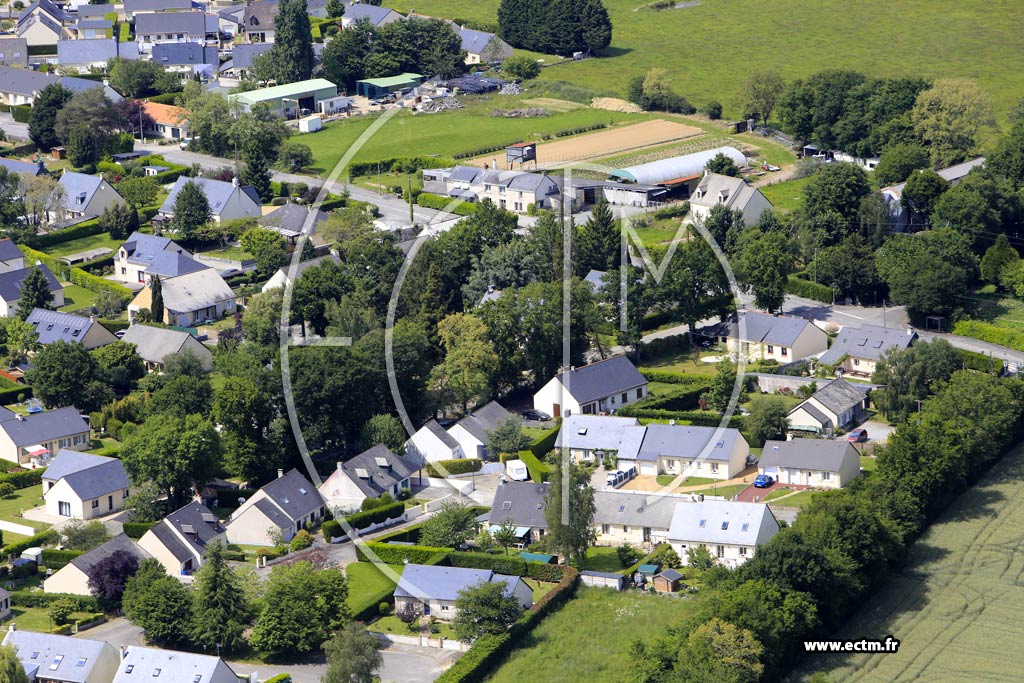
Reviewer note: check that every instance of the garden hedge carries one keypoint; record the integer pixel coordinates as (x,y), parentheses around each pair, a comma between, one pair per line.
(397,165)
(22,113)
(83,229)
(457,466)
(228,498)
(280,678)
(539,470)
(8,396)
(16,549)
(23,479)
(398,554)
(83,603)
(807,289)
(670,377)
(165,98)
(137,530)
(511,565)
(542,445)
(55,559)
(436,201)
(995,334)
(678,398)
(361,520)
(981,362)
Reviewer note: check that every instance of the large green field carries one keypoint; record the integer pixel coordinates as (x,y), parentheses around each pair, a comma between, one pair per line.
(955,607)
(448,133)
(588,639)
(710,48)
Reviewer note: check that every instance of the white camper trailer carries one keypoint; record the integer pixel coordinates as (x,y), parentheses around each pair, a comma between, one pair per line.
(517,470)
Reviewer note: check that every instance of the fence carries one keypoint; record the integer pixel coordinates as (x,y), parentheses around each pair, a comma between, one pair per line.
(421,641)
(19,529)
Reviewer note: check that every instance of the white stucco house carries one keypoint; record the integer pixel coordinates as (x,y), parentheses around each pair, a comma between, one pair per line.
(431,443)
(857,350)
(63,659)
(138,252)
(140,663)
(821,463)
(85,196)
(732,193)
(31,440)
(84,486)
(227,200)
(639,518)
(690,450)
(762,336)
(471,432)
(835,406)
(154,344)
(731,531)
(432,590)
(370,474)
(287,504)
(180,539)
(73,578)
(590,436)
(600,387)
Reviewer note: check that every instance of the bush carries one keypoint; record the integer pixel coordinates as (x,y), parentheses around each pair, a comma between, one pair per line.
(398,554)
(807,289)
(383,609)
(7,489)
(627,554)
(55,559)
(713,110)
(300,541)
(990,333)
(331,529)
(23,571)
(543,444)
(457,466)
(165,98)
(137,530)
(280,678)
(500,564)
(361,520)
(40,539)
(61,610)
(22,113)
(25,479)
(436,201)
(228,498)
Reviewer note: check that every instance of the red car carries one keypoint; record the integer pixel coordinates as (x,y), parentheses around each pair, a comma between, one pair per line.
(857,436)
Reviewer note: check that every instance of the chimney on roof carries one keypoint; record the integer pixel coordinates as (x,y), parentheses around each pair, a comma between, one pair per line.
(234,181)
(19,417)
(280,473)
(124,652)
(910,331)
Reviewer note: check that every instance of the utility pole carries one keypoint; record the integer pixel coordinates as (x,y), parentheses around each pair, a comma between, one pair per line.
(380,188)
(408,185)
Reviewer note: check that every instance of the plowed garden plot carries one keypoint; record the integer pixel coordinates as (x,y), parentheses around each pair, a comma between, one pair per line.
(956,606)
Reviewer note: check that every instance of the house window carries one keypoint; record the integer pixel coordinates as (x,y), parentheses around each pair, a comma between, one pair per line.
(625,397)
(95,503)
(124,494)
(445,608)
(785,351)
(714,467)
(625,529)
(64,509)
(605,528)
(124,271)
(640,392)
(771,349)
(720,552)
(825,476)
(856,361)
(743,552)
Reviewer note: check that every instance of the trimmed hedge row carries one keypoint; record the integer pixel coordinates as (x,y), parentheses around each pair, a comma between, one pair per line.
(543,445)
(398,554)
(83,229)
(115,325)
(397,165)
(990,333)
(280,678)
(489,651)
(539,471)
(980,362)
(577,131)
(669,377)
(95,283)
(165,98)
(55,559)
(361,520)
(83,603)
(228,498)
(808,290)
(36,541)
(457,466)
(436,201)
(502,564)
(22,113)
(8,396)
(24,479)
(137,530)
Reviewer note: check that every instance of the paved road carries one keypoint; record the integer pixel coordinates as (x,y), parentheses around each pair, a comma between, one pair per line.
(13,129)
(392,208)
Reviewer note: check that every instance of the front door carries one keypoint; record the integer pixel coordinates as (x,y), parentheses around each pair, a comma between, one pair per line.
(647,534)
(110,502)
(557,410)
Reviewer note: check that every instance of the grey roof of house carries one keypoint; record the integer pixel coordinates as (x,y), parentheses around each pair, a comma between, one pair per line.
(52,326)
(173,264)
(464,173)
(156,5)
(437,430)
(217,193)
(522,502)
(154,344)
(814,412)
(50,8)
(86,51)
(48,647)
(762,327)
(94,23)
(120,542)
(150,664)
(9,250)
(44,19)
(702,522)
(634,509)
(77,85)
(273,513)
(14,51)
(950,174)
(244,53)
(380,478)
(866,341)
(840,395)
(170,540)
(603,378)
(10,282)
(263,13)
(372,13)
(595,278)
(484,419)
(681,441)
(194,291)
(474,42)
(24,81)
(204,524)
(189,23)
(533,182)
(15,166)
(44,426)
(294,495)
(737,193)
(302,266)
(434,582)
(184,53)
(142,248)
(79,189)
(594,432)
(91,11)
(292,216)
(817,454)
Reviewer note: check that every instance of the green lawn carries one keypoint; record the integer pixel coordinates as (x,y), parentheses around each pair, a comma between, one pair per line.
(602,559)
(23,499)
(83,244)
(968,39)
(797,500)
(76,298)
(365,584)
(393,624)
(666,479)
(37,618)
(447,133)
(683,364)
(998,309)
(868,463)
(589,638)
(234,253)
(723,491)
(787,196)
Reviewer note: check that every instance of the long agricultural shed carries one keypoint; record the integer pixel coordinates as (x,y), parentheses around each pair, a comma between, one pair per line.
(675,169)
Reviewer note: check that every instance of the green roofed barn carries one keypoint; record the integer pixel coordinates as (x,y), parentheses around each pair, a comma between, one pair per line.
(375,88)
(287,100)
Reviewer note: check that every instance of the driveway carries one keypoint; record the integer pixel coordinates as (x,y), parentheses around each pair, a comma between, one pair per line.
(752,494)
(878,433)
(13,129)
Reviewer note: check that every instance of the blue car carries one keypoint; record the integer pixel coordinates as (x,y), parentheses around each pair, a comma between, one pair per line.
(763,481)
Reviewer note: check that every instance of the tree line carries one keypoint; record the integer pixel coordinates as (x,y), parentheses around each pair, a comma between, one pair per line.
(561,27)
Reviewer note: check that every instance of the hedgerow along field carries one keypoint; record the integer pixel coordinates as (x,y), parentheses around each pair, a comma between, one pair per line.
(588,639)
(956,606)
(710,48)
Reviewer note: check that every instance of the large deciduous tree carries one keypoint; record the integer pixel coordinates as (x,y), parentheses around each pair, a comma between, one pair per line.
(764,268)
(191,211)
(108,577)
(65,374)
(11,669)
(949,117)
(353,655)
(569,511)
(760,93)
(302,607)
(176,454)
(450,527)
(927,272)
(485,609)
(464,376)
(158,603)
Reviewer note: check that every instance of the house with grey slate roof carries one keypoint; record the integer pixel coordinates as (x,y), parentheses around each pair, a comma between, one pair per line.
(483,48)
(13,51)
(472,431)
(731,531)
(154,344)
(184,56)
(134,8)
(258,22)
(54,326)
(179,540)
(375,14)
(835,406)
(10,289)
(639,518)
(92,28)
(30,440)
(522,503)
(431,443)
(288,503)
(84,486)
(84,196)
(175,27)
(190,299)
(593,436)
(857,350)
(761,336)
(152,664)
(86,54)
(42,23)
(822,463)
(283,277)
(242,56)
(63,659)
(689,450)
(600,387)
(370,474)
(432,590)
(11,257)
(73,578)
(137,254)
(20,86)
(227,200)
(23,167)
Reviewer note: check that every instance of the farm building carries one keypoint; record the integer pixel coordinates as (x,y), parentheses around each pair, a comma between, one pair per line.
(375,88)
(677,170)
(289,99)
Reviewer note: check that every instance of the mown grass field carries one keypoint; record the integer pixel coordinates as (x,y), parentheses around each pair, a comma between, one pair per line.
(787,196)
(996,308)
(588,639)
(710,48)
(83,244)
(956,605)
